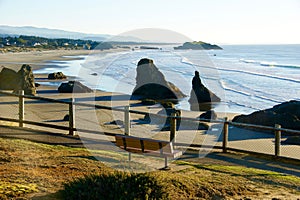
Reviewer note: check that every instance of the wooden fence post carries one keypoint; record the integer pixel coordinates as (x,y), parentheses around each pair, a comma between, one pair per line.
(71,116)
(127,120)
(21,108)
(277,140)
(225,135)
(172,127)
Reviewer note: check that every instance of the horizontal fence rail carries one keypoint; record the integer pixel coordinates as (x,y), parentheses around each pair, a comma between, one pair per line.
(277,130)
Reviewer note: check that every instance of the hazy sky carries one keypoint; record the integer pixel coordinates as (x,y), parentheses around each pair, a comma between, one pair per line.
(215,21)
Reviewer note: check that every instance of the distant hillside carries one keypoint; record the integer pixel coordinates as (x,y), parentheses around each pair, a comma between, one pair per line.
(6,31)
(48,33)
(198,46)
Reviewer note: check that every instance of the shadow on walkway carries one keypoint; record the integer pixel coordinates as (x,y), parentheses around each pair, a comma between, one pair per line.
(243,160)
(190,156)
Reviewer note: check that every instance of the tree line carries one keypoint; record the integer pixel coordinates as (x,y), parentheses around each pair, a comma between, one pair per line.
(49,43)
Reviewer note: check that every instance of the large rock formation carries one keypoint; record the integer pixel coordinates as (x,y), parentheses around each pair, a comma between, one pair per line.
(286,114)
(151,83)
(201,98)
(74,87)
(16,81)
(25,81)
(56,75)
(8,79)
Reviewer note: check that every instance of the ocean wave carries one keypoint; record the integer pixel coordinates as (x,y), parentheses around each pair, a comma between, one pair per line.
(248,61)
(236,91)
(247,107)
(186,61)
(269,64)
(252,93)
(254,74)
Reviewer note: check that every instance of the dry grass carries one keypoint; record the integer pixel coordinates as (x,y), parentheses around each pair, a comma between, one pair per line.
(41,168)
(37,171)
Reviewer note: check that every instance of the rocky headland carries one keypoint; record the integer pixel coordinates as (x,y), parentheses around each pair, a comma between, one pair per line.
(198,46)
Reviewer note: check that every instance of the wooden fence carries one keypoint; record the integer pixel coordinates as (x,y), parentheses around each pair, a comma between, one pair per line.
(173,118)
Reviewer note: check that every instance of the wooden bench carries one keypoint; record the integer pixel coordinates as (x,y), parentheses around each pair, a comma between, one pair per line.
(147,146)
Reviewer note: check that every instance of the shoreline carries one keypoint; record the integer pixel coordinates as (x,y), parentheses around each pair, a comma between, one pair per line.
(39,60)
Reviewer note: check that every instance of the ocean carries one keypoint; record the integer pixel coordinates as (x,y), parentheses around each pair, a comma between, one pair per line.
(246,77)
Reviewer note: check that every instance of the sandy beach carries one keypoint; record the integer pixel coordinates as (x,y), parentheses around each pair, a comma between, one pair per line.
(37,58)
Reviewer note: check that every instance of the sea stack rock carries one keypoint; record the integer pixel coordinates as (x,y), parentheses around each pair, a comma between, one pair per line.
(151,83)
(201,98)
(286,114)
(25,81)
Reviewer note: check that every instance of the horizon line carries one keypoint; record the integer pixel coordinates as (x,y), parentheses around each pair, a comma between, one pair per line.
(113,35)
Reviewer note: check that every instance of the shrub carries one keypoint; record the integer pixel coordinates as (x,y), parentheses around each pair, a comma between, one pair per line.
(116,185)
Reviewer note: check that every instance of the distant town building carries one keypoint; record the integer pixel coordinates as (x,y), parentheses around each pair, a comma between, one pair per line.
(37,44)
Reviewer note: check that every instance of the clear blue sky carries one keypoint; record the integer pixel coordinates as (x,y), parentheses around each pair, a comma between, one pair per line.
(215,21)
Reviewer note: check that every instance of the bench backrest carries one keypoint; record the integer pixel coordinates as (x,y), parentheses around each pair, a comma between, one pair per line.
(144,145)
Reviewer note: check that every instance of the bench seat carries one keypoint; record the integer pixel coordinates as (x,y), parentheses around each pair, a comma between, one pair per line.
(158,148)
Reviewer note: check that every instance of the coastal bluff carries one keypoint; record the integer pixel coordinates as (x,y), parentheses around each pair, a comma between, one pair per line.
(198,46)
(151,83)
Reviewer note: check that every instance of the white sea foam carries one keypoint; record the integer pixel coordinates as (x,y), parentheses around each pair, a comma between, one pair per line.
(270,63)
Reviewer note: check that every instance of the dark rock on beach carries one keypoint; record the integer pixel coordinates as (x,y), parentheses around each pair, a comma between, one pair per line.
(210,115)
(151,83)
(201,98)
(167,111)
(286,114)
(56,75)
(165,122)
(117,122)
(74,87)
(8,79)
(292,140)
(66,118)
